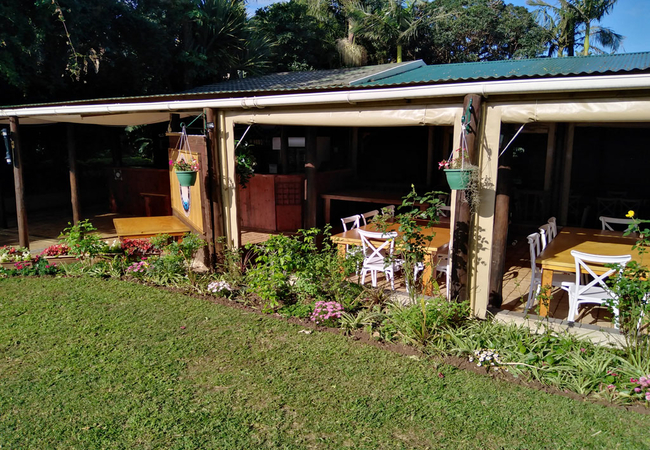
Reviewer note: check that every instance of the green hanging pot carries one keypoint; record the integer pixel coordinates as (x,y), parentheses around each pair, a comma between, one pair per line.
(458,179)
(186,178)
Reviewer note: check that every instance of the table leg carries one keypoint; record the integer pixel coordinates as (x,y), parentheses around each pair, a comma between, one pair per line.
(545,299)
(341,250)
(428,274)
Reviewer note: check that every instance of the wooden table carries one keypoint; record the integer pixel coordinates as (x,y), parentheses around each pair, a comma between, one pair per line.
(359,195)
(441,236)
(557,255)
(144,227)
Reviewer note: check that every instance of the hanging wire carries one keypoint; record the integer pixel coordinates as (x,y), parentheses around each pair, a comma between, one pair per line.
(241,139)
(511,140)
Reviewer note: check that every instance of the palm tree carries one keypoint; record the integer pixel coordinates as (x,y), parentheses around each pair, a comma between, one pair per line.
(575,18)
(386,23)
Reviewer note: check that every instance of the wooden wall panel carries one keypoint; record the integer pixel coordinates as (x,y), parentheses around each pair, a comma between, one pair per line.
(257,203)
(195,215)
(129,186)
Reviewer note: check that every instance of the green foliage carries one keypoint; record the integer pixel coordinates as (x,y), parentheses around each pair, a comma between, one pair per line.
(290,268)
(245,163)
(174,263)
(81,239)
(299,40)
(420,322)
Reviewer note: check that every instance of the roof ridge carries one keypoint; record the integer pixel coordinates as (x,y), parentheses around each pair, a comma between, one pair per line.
(541,58)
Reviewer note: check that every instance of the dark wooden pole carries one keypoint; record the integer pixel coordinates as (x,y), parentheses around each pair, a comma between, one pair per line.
(72,162)
(213,185)
(461,233)
(284,150)
(21,212)
(310,171)
(500,233)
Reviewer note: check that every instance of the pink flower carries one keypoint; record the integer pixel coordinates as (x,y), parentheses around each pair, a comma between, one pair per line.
(611,387)
(583,349)
(633,380)
(647,396)
(637,390)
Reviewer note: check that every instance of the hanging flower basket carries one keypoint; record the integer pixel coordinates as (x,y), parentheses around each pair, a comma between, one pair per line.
(458,179)
(186,178)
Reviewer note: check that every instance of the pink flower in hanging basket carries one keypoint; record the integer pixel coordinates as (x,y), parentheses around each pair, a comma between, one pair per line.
(185,166)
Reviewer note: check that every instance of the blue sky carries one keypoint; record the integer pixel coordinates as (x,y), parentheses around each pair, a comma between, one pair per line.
(631,18)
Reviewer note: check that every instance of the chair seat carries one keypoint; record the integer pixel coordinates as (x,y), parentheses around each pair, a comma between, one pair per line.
(595,294)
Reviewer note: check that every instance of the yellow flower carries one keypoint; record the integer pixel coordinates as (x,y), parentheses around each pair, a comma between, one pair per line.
(630,214)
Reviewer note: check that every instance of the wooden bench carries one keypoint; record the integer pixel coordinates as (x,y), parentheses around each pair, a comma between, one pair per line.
(144,227)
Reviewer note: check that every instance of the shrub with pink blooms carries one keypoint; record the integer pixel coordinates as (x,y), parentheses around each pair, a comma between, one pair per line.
(326,313)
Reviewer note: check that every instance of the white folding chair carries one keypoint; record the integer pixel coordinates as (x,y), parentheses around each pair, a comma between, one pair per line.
(351,222)
(367,217)
(553,228)
(596,290)
(378,255)
(607,221)
(442,262)
(536,274)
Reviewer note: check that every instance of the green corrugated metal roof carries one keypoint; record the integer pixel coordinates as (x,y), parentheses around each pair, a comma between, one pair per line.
(315,79)
(521,68)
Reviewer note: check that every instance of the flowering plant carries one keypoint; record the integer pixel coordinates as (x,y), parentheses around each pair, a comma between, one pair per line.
(460,162)
(220,288)
(56,250)
(138,268)
(326,311)
(181,165)
(11,254)
(137,247)
(632,286)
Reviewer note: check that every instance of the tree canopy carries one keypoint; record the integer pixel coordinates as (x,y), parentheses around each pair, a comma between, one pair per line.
(54,50)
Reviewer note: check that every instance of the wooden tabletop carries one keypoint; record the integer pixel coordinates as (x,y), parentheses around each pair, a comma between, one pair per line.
(442,235)
(141,227)
(557,255)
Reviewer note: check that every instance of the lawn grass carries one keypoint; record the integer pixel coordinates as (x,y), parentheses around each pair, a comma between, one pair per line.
(90,363)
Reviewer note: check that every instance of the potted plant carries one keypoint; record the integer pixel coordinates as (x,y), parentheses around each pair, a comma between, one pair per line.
(459,171)
(185,170)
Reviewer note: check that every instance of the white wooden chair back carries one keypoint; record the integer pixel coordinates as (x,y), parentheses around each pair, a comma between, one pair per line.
(607,221)
(593,289)
(586,262)
(553,228)
(377,245)
(351,222)
(534,244)
(367,217)
(545,235)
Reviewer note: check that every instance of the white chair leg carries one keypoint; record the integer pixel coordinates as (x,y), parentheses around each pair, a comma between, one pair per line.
(364,272)
(373,275)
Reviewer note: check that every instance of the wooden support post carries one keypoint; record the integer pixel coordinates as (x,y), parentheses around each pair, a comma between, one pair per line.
(566,180)
(461,225)
(213,185)
(284,150)
(310,172)
(72,163)
(430,157)
(548,171)
(21,212)
(500,233)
